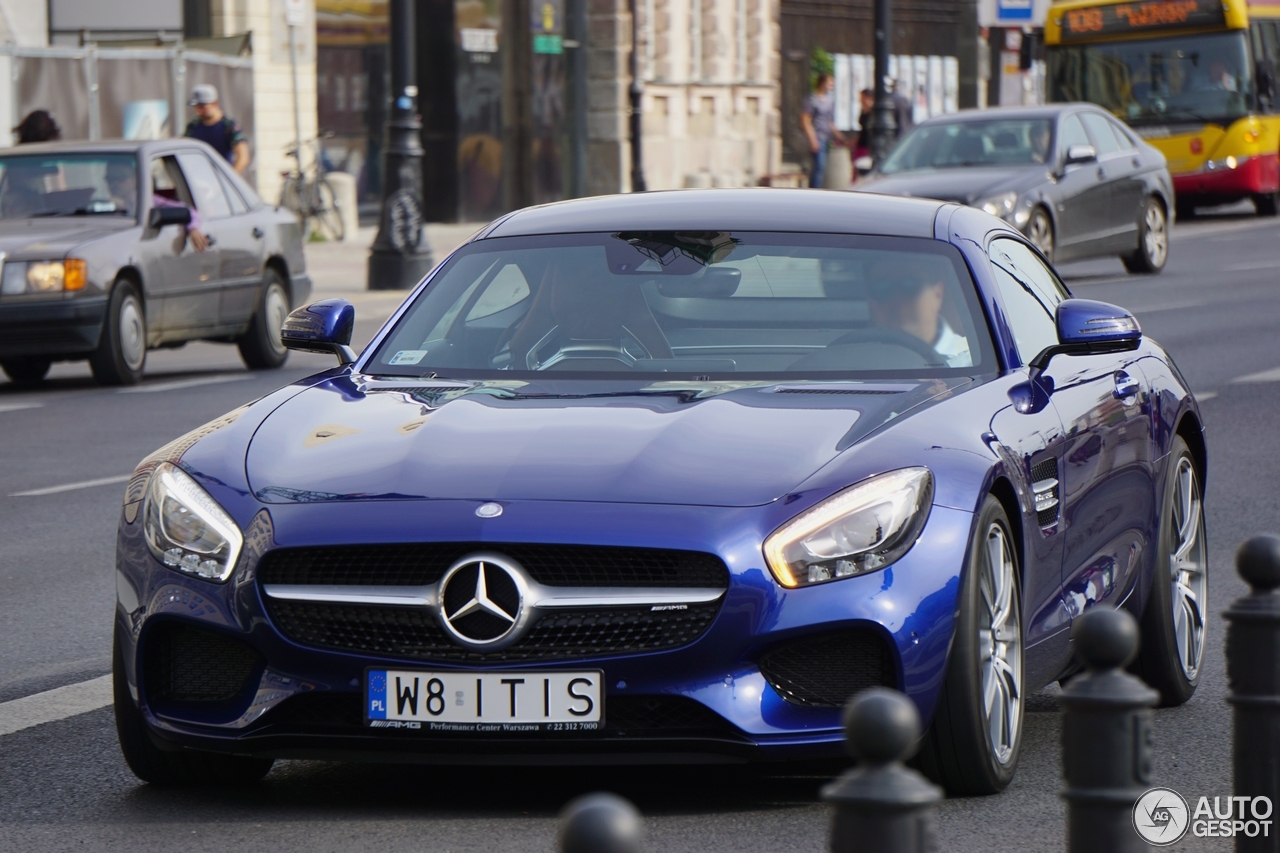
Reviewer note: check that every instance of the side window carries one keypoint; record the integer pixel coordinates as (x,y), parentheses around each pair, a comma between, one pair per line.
(1073,133)
(210,200)
(237,204)
(1030,292)
(167,181)
(1122,136)
(1099,128)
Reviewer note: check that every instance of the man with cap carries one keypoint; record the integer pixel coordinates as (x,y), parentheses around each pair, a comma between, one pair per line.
(213,126)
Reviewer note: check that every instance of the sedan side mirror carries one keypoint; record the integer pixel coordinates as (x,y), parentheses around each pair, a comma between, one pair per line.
(1086,327)
(162,216)
(323,326)
(1077,154)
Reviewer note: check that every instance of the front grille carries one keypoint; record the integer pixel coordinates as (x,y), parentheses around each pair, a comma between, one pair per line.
(824,671)
(551,565)
(188,664)
(412,632)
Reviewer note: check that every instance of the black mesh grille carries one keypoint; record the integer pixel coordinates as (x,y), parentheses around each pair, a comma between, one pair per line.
(1046,469)
(552,565)
(826,670)
(188,664)
(412,632)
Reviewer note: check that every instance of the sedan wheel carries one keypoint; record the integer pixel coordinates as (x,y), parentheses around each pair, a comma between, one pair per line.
(260,346)
(973,742)
(1153,240)
(1040,232)
(122,347)
(1173,629)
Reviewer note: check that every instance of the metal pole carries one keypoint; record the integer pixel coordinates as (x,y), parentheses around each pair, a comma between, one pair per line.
(401,255)
(1253,677)
(884,128)
(577,59)
(637,94)
(297,109)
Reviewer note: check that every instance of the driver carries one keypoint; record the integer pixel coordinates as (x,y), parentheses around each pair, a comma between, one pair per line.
(122,183)
(906,293)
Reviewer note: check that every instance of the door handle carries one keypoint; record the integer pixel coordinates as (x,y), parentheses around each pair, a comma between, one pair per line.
(210,240)
(1127,387)
(1102,174)
(258,233)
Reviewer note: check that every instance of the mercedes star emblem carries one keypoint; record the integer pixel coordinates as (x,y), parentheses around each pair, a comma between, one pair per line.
(482,600)
(489,510)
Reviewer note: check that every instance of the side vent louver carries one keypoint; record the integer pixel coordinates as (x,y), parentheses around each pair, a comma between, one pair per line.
(1045,488)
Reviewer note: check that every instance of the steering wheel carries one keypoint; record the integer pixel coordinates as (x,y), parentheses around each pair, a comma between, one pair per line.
(893,337)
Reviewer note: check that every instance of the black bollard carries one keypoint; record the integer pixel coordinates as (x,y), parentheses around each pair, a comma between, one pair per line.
(1106,736)
(1253,678)
(881,805)
(600,823)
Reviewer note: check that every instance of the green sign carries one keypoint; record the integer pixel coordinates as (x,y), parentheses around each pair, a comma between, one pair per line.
(548,44)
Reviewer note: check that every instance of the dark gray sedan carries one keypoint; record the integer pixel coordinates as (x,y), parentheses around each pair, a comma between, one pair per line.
(108,249)
(1077,182)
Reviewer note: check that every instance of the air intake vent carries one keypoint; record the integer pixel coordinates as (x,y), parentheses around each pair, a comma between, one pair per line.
(1045,489)
(189,664)
(824,671)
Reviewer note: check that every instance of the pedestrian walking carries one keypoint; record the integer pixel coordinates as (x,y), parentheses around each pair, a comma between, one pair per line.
(818,123)
(38,126)
(215,127)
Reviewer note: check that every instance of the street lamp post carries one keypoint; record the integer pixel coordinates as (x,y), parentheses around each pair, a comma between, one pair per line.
(401,255)
(637,97)
(884,125)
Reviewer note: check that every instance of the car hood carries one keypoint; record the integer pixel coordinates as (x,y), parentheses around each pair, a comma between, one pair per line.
(711,444)
(54,236)
(963,185)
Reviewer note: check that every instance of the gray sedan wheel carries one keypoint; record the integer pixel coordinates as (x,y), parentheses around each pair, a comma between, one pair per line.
(1153,240)
(1040,232)
(122,348)
(260,346)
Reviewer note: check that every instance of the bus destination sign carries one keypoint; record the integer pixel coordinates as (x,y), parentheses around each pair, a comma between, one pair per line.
(1091,21)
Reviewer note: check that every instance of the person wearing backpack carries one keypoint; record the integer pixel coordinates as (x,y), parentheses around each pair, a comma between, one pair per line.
(215,127)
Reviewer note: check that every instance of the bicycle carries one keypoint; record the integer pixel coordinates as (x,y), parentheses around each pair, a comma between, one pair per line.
(311,197)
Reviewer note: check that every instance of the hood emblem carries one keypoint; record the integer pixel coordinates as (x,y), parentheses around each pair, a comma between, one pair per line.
(489,510)
(482,601)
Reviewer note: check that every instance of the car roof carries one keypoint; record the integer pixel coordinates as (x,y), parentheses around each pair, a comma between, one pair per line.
(1039,111)
(748,209)
(106,146)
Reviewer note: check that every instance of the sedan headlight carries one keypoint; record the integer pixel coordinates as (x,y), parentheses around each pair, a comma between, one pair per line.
(43,276)
(861,529)
(187,530)
(1001,205)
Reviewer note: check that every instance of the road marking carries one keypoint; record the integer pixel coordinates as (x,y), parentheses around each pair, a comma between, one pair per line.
(184,383)
(1172,306)
(53,705)
(1272,375)
(1254,265)
(1205,396)
(14,407)
(71,487)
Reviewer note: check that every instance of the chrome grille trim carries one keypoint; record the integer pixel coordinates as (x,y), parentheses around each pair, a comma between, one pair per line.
(540,597)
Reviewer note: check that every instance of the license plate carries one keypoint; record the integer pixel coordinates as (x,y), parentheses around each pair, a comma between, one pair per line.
(489,702)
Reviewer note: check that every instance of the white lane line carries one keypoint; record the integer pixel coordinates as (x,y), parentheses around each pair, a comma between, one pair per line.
(1272,375)
(184,383)
(56,704)
(1253,265)
(1205,396)
(71,487)
(14,407)
(1172,306)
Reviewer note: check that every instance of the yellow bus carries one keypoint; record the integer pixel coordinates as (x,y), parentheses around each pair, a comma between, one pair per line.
(1195,78)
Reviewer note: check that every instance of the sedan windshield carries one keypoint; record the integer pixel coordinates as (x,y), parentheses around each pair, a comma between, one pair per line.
(1201,78)
(957,144)
(697,305)
(68,185)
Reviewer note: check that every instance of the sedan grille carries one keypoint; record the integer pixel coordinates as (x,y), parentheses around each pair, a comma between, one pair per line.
(826,670)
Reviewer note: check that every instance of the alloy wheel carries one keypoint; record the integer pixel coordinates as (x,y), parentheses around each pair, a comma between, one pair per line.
(133,344)
(1000,645)
(1041,233)
(1155,239)
(275,311)
(1187,564)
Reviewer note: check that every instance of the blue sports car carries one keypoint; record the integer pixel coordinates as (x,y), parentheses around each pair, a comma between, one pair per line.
(668,478)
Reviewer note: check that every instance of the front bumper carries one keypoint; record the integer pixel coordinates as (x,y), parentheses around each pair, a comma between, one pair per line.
(306,702)
(1252,176)
(68,326)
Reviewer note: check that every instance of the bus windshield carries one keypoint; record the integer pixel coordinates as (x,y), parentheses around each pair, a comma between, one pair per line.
(1202,78)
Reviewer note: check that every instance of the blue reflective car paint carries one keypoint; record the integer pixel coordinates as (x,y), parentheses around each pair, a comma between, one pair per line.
(973,434)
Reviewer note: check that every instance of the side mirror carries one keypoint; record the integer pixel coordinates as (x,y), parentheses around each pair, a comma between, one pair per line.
(1086,327)
(1080,154)
(323,326)
(162,216)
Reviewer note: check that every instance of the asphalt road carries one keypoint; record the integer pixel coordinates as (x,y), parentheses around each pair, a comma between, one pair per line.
(63,784)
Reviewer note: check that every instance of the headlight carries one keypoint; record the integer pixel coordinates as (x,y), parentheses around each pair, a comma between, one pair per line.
(864,528)
(43,276)
(187,530)
(999,205)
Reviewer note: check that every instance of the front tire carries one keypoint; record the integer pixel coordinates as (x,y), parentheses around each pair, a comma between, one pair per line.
(122,349)
(28,370)
(260,346)
(1173,622)
(1040,232)
(160,767)
(973,743)
(1153,240)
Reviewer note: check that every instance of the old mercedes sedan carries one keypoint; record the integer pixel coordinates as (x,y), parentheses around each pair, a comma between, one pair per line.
(668,478)
(109,249)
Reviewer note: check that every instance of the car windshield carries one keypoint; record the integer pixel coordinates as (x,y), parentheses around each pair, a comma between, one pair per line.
(693,305)
(68,185)
(1202,78)
(957,144)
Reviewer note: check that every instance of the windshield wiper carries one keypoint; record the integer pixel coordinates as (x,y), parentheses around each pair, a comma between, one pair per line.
(79,211)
